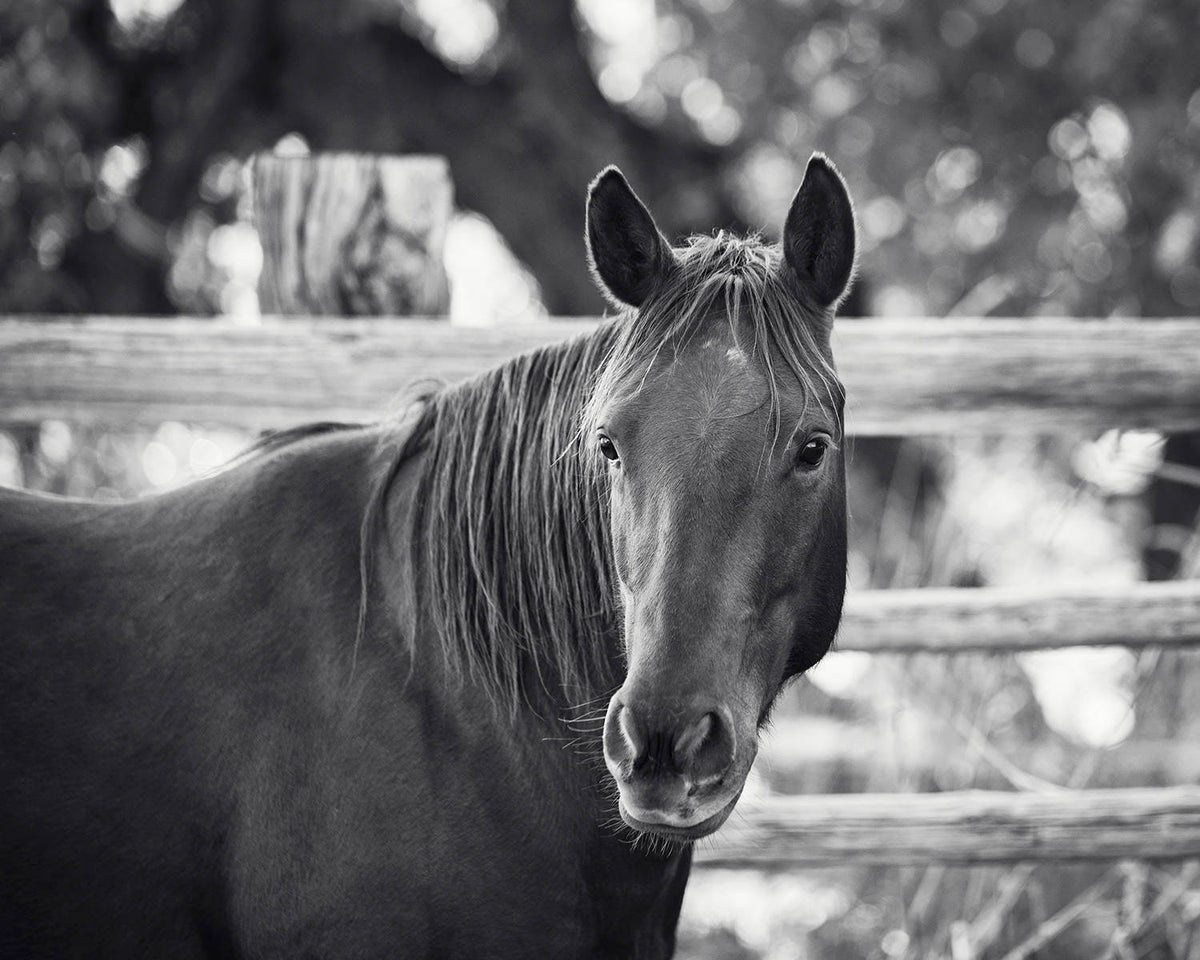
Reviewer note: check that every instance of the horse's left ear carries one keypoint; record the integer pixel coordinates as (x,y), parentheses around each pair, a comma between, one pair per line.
(818,235)
(628,254)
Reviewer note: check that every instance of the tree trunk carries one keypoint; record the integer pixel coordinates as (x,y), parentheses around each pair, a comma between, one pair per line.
(352,235)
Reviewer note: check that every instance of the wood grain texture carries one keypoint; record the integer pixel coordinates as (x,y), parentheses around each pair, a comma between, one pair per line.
(965,827)
(903,377)
(812,754)
(352,234)
(957,620)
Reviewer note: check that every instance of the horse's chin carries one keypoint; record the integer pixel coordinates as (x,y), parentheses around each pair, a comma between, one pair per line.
(680,832)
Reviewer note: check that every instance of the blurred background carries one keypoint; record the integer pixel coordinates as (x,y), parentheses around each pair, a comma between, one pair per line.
(1007,157)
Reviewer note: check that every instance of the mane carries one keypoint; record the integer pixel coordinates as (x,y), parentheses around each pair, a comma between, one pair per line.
(511,521)
(513,528)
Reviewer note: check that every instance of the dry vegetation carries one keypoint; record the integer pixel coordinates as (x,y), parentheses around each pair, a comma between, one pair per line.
(1007,511)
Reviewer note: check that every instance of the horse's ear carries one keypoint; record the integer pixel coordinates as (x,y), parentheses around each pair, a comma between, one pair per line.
(628,255)
(818,235)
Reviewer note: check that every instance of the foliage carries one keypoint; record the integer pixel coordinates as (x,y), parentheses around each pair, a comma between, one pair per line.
(1006,156)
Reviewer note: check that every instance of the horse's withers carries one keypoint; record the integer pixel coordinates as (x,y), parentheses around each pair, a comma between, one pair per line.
(724,446)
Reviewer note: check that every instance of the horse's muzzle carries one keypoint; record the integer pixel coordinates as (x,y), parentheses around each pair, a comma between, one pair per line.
(672,765)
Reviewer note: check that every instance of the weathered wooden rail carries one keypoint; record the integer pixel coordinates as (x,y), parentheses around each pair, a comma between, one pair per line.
(904,377)
(993,619)
(967,827)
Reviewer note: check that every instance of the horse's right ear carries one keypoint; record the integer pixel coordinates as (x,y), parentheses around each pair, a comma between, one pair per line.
(628,255)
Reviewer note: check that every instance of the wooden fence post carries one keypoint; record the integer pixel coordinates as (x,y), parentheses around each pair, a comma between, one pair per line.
(352,234)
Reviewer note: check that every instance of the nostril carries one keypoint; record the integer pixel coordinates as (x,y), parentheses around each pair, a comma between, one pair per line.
(700,750)
(691,739)
(624,739)
(704,748)
(631,730)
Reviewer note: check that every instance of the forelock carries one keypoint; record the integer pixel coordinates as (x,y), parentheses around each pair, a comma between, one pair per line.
(725,278)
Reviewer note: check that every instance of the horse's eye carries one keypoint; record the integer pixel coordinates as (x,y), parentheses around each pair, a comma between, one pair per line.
(608,448)
(812,453)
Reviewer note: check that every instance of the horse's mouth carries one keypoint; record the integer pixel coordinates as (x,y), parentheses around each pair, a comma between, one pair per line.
(695,831)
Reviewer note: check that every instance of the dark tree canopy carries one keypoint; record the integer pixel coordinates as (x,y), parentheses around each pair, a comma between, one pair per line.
(227,77)
(1005,156)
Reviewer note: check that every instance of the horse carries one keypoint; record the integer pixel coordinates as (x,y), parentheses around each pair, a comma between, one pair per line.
(469,682)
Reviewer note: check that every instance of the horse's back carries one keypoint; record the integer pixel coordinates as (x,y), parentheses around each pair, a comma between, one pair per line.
(147,649)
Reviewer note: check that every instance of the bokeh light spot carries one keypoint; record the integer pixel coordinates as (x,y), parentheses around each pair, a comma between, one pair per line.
(1034,48)
(958,28)
(488,285)
(1109,132)
(462,31)
(131,13)
(620,81)
(702,99)
(841,673)
(883,217)
(55,442)
(834,95)
(205,456)
(1068,139)
(159,464)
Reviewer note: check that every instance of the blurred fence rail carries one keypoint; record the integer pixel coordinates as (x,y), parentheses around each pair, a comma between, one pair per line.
(957,620)
(903,377)
(970,826)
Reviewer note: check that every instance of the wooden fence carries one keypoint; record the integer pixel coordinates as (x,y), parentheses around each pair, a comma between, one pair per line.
(903,378)
(363,235)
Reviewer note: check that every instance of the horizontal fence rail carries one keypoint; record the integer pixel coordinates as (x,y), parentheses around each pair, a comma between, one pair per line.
(965,620)
(962,827)
(817,753)
(903,377)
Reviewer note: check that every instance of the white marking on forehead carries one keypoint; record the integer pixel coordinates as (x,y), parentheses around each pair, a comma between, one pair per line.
(709,343)
(736,356)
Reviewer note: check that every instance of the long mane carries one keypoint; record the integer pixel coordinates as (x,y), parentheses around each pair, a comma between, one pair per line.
(512,527)
(511,521)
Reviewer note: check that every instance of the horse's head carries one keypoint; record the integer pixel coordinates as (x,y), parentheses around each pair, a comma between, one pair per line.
(719,419)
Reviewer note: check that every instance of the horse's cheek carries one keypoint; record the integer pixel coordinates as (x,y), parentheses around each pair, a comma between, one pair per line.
(634,536)
(621,542)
